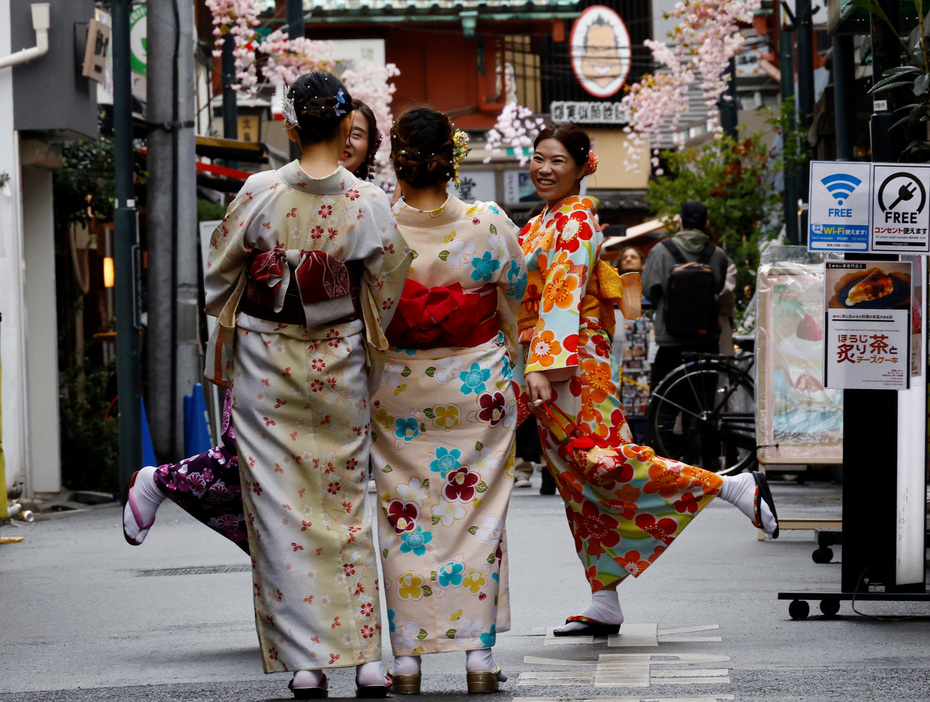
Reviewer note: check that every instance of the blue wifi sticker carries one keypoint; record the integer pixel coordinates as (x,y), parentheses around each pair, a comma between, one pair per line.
(840,206)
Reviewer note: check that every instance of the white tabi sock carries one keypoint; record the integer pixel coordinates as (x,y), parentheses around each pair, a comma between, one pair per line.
(370,674)
(406,665)
(481,660)
(604,608)
(740,491)
(147,498)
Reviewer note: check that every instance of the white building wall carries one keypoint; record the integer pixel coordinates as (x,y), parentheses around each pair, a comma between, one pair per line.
(12,331)
(41,332)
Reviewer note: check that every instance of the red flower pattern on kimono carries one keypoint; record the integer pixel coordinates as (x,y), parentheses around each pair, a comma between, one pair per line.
(596,528)
(460,485)
(403,516)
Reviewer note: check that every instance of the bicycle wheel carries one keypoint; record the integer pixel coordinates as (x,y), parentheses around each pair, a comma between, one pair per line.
(703,414)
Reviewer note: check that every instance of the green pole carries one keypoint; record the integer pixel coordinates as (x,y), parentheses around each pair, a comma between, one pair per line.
(126,255)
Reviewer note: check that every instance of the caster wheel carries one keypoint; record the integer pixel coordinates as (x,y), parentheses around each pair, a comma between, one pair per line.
(830,606)
(824,554)
(799,609)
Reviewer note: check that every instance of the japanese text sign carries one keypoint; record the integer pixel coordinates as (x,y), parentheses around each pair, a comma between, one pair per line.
(868,320)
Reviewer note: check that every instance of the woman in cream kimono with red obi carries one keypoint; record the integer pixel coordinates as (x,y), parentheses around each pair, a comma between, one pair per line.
(305,273)
(445,414)
(623,524)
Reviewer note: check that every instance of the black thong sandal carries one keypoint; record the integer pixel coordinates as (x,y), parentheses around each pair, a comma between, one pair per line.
(764,494)
(592,627)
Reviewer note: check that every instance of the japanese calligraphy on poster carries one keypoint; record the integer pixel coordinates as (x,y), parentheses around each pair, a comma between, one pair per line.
(868,325)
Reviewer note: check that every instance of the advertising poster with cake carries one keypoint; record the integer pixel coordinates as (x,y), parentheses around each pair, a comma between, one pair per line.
(868,325)
(800,421)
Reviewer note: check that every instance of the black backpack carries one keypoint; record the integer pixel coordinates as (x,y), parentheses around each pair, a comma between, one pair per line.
(691,306)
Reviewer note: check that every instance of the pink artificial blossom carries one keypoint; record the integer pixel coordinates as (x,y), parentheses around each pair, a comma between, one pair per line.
(707,37)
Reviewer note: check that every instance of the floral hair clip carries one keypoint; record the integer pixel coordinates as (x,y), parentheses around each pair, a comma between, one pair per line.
(340,106)
(459,151)
(287,109)
(591,165)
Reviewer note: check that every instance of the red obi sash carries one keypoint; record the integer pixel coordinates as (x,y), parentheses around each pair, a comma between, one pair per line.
(428,318)
(276,292)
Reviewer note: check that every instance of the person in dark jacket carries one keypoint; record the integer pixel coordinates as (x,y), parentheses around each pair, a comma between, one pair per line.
(691,239)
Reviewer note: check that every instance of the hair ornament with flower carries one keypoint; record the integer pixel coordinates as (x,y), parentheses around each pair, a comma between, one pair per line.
(288,111)
(459,152)
(340,107)
(591,165)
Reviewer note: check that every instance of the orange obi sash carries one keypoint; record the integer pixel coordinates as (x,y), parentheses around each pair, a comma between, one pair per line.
(428,318)
(603,290)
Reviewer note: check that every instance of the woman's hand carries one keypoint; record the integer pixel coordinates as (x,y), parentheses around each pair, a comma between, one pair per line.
(538,386)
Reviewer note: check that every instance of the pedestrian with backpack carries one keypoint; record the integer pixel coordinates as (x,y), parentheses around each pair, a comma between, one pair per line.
(683,278)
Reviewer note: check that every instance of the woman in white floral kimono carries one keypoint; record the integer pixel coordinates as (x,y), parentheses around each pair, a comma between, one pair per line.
(445,414)
(306,267)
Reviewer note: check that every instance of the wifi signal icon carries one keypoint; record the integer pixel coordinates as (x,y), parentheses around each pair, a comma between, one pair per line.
(841,186)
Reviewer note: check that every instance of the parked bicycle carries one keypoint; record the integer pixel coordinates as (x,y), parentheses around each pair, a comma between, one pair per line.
(703,413)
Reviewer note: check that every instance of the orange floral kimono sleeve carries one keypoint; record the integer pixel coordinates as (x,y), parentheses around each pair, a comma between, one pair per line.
(564,269)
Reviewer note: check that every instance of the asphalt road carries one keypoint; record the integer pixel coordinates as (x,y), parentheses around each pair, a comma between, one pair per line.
(85,617)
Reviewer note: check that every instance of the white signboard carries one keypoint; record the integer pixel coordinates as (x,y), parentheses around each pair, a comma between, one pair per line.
(840,206)
(900,213)
(475,185)
(867,335)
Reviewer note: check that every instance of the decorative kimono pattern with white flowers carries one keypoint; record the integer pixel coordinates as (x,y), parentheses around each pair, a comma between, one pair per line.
(301,412)
(444,441)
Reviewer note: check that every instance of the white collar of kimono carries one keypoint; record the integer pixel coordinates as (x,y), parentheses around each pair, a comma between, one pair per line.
(452,210)
(339,181)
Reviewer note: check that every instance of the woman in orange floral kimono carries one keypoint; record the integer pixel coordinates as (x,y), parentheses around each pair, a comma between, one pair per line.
(566,322)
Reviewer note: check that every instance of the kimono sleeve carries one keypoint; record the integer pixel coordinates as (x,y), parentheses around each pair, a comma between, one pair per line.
(229,250)
(386,270)
(512,283)
(555,338)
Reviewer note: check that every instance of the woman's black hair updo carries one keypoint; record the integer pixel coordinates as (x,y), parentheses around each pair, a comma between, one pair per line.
(320,103)
(422,147)
(572,137)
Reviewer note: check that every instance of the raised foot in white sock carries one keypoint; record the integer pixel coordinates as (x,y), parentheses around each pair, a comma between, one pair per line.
(740,491)
(142,503)
(604,608)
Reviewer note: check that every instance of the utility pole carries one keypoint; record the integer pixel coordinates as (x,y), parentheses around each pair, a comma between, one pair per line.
(804,33)
(786,62)
(729,103)
(869,545)
(126,252)
(230,105)
(175,362)
(844,98)
(296,27)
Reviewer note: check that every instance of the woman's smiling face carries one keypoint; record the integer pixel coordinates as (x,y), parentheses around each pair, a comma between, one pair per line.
(554,172)
(356,149)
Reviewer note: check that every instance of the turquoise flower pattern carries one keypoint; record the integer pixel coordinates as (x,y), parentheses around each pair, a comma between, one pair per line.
(489,638)
(485,267)
(445,461)
(406,428)
(450,575)
(516,276)
(474,380)
(415,542)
